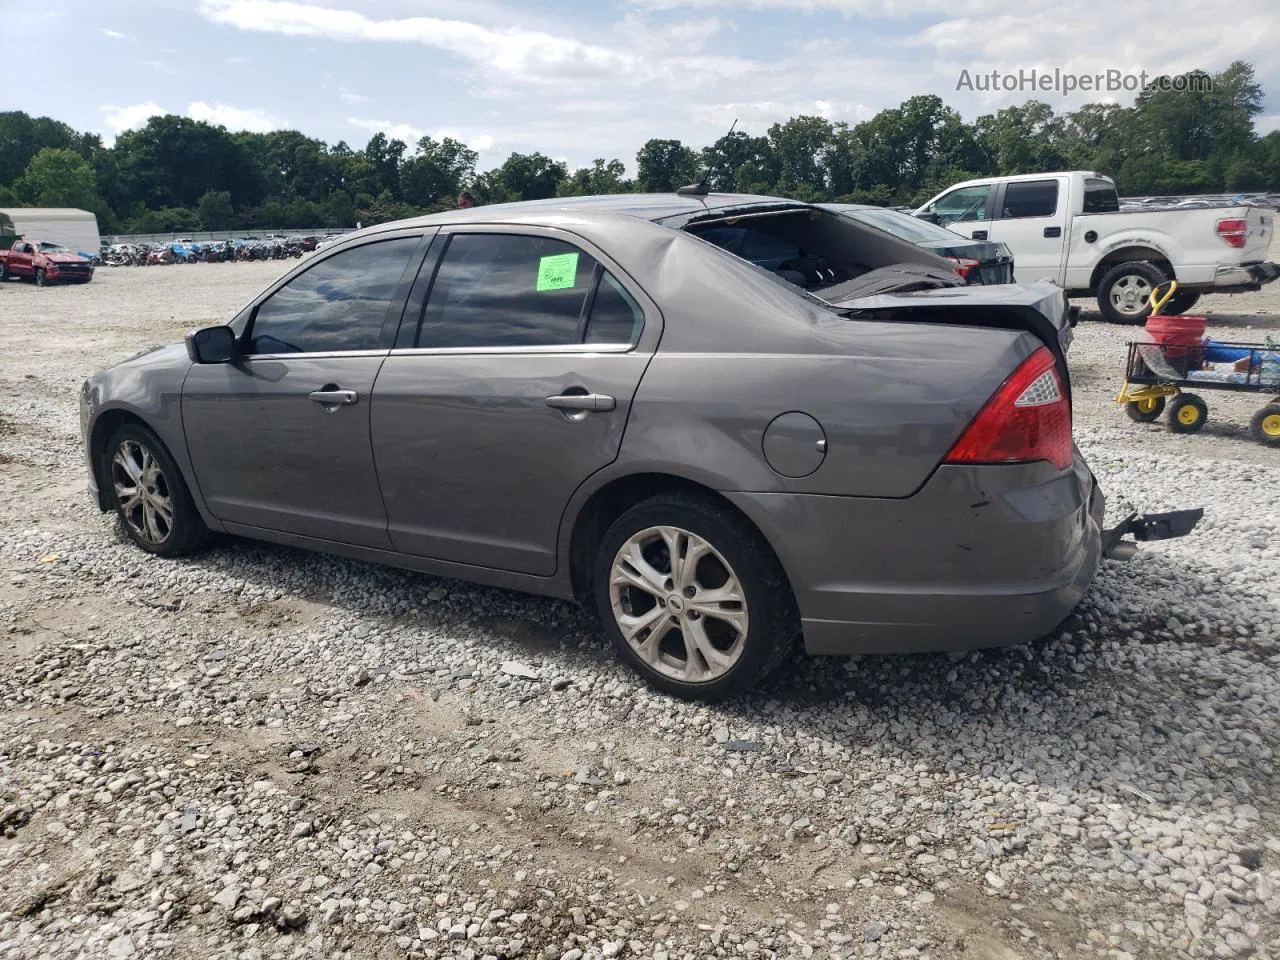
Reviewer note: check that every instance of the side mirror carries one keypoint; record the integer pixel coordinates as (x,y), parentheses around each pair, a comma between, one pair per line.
(212,345)
(928,215)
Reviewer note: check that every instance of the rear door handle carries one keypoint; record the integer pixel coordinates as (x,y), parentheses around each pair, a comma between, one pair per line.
(582,401)
(334,397)
(979,234)
(1053,231)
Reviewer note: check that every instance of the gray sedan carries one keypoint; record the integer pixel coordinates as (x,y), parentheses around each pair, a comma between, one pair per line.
(586,399)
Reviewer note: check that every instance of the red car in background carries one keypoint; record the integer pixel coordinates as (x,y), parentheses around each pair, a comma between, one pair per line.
(45,263)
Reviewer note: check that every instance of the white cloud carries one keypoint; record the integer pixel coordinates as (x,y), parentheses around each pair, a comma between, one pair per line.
(529,55)
(114,34)
(236,61)
(350,96)
(120,119)
(394,131)
(160,66)
(254,120)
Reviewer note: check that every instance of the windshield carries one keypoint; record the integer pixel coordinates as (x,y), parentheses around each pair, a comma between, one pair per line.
(53,248)
(901,225)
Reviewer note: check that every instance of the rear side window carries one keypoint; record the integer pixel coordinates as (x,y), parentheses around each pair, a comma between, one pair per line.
(508,290)
(339,304)
(1100,196)
(1030,198)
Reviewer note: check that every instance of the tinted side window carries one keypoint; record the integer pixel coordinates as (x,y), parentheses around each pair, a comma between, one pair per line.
(615,316)
(1100,197)
(502,290)
(1034,198)
(339,304)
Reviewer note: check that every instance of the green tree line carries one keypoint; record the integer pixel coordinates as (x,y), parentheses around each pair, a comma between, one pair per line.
(180,174)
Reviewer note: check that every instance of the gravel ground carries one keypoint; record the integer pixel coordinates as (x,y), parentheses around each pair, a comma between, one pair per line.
(264,753)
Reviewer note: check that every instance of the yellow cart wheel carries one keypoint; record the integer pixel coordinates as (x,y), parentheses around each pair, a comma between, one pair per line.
(1187,413)
(1145,410)
(1265,425)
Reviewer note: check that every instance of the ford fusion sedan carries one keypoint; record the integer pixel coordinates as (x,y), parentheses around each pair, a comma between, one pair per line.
(587,399)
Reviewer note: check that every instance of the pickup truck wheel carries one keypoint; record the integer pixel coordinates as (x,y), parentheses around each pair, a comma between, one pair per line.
(4,271)
(1125,289)
(1181,302)
(40,277)
(1187,413)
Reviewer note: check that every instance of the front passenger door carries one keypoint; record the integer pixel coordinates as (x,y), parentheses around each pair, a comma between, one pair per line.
(279,437)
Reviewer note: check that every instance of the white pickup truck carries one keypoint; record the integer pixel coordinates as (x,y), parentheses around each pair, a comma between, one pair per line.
(1068,227)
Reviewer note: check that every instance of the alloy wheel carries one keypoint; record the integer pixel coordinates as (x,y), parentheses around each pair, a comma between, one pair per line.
(678,604)
(142,491)
(1129,295)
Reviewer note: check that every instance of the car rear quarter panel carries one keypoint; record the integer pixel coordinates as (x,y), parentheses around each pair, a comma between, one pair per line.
(738,350)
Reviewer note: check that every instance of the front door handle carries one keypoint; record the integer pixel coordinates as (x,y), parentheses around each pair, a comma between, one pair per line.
(582,401)
(979,234)
(1053,231)
(333,397)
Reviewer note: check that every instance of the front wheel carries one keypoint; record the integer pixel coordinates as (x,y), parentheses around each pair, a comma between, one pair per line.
(1265,425)
(4,271)
(1187,413)
(1145,410)
(1124,291)
(150,496)
(693,598)
(40,280)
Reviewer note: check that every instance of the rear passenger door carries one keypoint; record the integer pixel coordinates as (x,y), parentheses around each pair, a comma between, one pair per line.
(510,385)
(1030,218)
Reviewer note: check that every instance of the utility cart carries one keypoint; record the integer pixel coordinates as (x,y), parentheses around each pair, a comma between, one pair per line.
(1160,372)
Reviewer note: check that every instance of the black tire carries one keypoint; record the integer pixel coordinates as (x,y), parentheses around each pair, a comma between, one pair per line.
(40,281)
(4,271)
(1134,271)
(1265,425)
(1181,302)
(1187,413)
(1145,411)
(185,532)
(772,625)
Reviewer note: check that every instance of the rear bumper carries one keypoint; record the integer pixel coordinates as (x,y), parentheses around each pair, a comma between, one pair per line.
(1242,277)
(980,557)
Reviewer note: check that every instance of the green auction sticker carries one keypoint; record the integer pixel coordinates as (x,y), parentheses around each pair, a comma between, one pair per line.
(558,272)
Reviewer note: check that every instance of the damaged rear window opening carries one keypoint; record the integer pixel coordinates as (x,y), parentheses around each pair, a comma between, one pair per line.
(822,253)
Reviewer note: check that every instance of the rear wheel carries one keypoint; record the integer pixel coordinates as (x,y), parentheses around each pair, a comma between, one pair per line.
(40,281)
(1181,302)
(1265,425)
(1145,410)
(1187,413)
(150,496)
(1125,289)
(693,598)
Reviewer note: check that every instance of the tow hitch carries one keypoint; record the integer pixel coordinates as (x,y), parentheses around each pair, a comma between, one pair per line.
(1148,526)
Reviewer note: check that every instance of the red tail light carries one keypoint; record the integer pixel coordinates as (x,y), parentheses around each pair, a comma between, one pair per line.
(963,265)
(1027,419)
(1233,232)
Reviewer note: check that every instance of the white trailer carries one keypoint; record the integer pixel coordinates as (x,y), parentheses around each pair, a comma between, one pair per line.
(77,230)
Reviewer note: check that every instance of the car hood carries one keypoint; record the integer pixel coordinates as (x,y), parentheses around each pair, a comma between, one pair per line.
(64,258)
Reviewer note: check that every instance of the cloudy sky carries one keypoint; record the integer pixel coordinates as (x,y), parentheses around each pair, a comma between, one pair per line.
(579,79)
